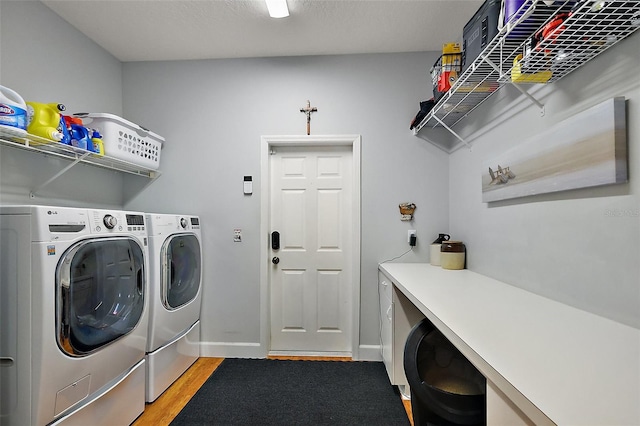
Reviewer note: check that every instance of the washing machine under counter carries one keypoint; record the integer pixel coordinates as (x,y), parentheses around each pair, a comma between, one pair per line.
(73,309)
(175,260)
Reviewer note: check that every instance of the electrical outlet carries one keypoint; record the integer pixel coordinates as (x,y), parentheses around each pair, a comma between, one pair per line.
(409,234)
(237,235)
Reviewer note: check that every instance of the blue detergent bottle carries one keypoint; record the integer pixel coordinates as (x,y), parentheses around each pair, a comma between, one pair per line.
(80,137)
(64,131)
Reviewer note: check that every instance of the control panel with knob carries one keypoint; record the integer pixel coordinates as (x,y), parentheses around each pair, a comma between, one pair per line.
(183,223)
(110,221)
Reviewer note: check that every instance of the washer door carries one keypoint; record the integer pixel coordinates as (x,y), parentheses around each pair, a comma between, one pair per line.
(180,270)
(100,287)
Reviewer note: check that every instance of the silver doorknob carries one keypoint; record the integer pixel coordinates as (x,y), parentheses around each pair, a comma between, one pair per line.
(275,260)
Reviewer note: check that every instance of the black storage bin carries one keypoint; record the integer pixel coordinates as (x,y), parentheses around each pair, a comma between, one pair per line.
(446,389)
(479,31)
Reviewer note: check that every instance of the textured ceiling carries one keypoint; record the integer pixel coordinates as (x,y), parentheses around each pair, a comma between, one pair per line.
(151,30)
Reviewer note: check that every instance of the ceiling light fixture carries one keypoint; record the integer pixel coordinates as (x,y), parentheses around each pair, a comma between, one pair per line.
(277,8)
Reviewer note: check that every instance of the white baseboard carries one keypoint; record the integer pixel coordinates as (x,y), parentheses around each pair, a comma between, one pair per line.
(255,350)
(232,350)
(311,354)
(369,353)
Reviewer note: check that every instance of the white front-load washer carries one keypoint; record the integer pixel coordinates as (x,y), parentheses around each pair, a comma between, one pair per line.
(74,315)
(175,295)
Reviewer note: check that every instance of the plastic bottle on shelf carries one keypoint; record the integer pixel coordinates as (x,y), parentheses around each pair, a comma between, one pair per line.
(45,120)
(96,140)
(13,112)
(66,136)
(80,137)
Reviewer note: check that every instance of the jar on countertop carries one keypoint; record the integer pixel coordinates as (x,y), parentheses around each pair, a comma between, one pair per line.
(434,257)
(452,254)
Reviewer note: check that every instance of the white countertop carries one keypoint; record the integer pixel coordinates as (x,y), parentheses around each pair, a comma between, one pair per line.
(574,366)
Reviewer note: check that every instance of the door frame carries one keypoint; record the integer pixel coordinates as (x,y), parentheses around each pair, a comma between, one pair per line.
(267,144)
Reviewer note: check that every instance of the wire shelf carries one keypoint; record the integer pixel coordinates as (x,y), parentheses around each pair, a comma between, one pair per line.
(574,33)
(37,144)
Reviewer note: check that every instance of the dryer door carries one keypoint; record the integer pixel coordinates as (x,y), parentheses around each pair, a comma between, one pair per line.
(100,286)
(180,270)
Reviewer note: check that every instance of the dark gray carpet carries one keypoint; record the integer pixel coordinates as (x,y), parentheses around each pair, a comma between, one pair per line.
(274,392)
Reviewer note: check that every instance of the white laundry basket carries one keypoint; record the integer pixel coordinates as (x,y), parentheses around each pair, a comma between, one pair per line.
(125,140)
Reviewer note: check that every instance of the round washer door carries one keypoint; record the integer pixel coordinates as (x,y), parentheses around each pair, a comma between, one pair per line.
(99,293)
(181,260)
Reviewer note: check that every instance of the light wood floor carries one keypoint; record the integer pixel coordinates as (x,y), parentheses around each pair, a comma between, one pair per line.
(164,409)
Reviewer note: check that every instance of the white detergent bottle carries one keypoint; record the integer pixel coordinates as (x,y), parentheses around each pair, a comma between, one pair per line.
(13,113)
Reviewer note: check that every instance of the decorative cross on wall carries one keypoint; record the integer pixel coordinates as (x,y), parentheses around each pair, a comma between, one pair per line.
(308,110)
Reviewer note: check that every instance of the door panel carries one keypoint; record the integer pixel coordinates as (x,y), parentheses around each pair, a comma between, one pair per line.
(292,299)
(329,232)
(293,224)
(328,300)
(311,290)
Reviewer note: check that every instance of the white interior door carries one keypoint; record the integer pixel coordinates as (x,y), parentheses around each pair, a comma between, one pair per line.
(311,288)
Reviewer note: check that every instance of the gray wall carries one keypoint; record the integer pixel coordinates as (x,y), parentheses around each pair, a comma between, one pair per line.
(213,113)
(46,60)
(580,247)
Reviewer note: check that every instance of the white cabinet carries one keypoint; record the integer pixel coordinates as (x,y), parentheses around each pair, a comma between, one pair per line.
(397,317)
(386,323)
(546,363)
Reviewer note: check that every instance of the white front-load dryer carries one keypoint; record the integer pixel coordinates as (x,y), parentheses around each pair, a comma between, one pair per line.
(175,260)
(73,309)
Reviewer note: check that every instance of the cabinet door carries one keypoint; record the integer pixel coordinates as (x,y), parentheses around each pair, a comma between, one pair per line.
(384,286)
(386,337)
(386,323)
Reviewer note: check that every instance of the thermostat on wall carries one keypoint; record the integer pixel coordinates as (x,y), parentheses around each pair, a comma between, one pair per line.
(248,185)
